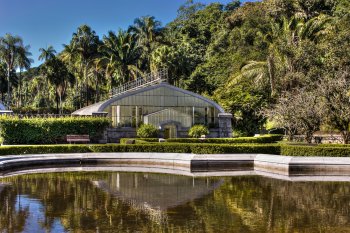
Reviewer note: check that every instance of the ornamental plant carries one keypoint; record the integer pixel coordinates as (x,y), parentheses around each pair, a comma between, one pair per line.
(147,131)
(198,130)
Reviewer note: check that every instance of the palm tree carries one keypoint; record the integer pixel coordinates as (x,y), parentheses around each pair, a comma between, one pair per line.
(11,47)
(84,44)
(58,75)
(22,62)
(120,54)
(48,53)
(290,32)
(146,30)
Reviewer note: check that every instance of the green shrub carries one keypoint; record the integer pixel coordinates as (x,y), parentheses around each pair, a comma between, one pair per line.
(49,130)
(160,147)
(334,145)
(147,131)
(139,140)
(196,148)
(341,151)
(271,138)
(235,149)
(197,131)
(43,149)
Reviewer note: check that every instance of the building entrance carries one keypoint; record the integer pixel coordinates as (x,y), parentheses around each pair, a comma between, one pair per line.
(170,131)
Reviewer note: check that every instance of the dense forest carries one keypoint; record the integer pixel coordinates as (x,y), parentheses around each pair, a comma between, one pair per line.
(259,60)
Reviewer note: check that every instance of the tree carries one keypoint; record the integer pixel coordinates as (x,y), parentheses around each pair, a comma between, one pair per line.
(22,62)
(240,97)
(120,53)
(84,45)
(58,76)
(283,40)
(146,30)
(291,114)
(11,47)
(336,104)
(3,80)
(48,53)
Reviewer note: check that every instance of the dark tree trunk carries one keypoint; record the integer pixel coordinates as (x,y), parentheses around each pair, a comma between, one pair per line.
(57,104)
(346,136)
(8,89)
(308,137)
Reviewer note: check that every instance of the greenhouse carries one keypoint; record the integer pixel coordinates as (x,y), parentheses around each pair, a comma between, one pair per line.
(169,108)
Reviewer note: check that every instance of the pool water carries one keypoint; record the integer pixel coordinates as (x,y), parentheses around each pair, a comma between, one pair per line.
(145,202)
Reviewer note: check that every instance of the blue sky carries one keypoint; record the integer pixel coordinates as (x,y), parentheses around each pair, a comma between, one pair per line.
(51,22)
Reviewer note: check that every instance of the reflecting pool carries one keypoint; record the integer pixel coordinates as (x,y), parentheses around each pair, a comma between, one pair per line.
(145,202)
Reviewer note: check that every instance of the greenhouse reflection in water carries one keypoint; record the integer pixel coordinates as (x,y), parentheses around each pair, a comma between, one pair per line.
(144,202)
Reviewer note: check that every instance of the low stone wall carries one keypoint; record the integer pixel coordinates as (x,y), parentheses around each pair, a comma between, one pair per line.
(224,164)
(300,166)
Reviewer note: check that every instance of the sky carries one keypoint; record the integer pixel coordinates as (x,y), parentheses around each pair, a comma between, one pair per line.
(52,22)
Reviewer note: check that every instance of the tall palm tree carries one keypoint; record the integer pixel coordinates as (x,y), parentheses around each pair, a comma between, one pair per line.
(291,32)
(10,48)
(84,44)
(22,62)
(146,30)
(59,76)
(120,53)
(46,54)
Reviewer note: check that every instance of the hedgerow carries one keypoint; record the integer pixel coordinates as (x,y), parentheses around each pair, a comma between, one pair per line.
(195,148)
(270,138)
(161,148)
(49,130)
(335,151)
(139,140)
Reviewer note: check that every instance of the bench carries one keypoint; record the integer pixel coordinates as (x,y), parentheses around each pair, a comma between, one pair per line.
(78,138)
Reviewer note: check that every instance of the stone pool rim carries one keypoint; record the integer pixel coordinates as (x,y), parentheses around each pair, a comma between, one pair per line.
(259,163)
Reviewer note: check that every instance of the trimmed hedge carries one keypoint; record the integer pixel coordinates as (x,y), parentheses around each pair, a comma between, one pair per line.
(335,151)
(334,145)
(195,148)
(139,140)
(271,138)
(161,147)
(43,149)
(49,130)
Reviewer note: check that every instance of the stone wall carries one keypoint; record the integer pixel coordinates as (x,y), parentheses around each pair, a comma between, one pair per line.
(225,125)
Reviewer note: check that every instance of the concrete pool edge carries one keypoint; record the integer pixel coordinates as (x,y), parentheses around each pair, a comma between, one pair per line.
(188,163)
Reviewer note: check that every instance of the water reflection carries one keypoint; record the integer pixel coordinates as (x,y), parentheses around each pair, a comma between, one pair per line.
(153,194)
(130,202)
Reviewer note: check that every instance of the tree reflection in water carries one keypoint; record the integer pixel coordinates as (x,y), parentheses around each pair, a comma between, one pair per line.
(129,202)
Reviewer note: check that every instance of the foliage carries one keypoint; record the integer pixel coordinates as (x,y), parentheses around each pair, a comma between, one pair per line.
(290,113)
(161,148)
(196,148)
(139,140)
(147,131)
(49,130)
(58,75)
(270,138)
(327,151)
(260,139)
(197,131)
(247,57)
